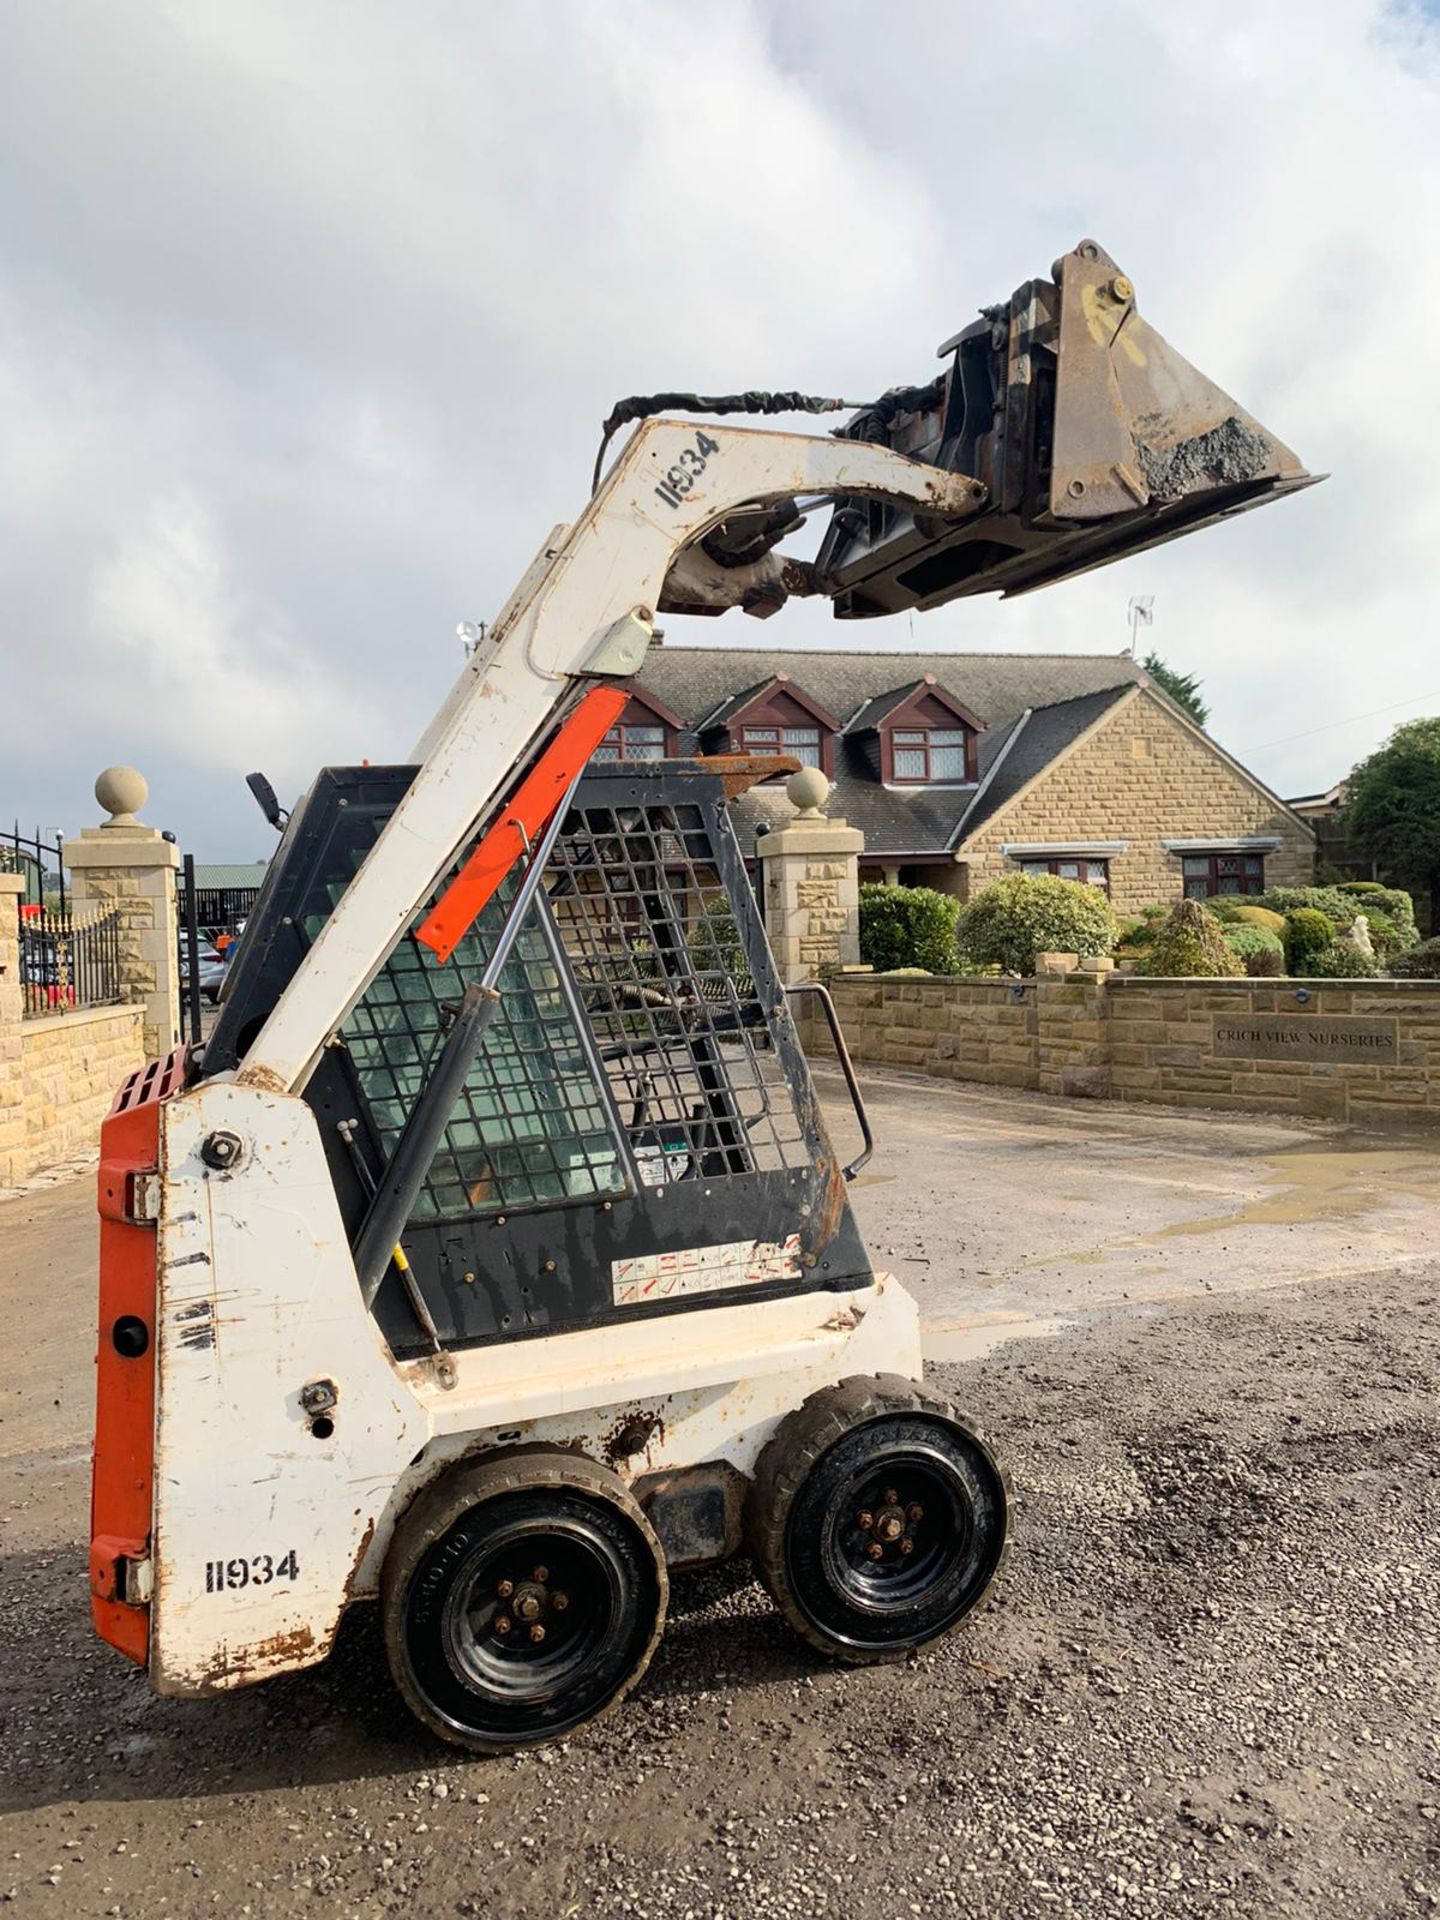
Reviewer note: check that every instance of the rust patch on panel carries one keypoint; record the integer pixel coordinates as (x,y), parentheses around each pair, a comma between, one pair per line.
(264,1079)
(740,771)
(363,1549)
(292,1647)
(633,1432)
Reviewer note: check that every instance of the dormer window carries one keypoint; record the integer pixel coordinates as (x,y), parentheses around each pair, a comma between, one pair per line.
(927,756)
(918,735)
(773,718)
(644,731)
(803,743)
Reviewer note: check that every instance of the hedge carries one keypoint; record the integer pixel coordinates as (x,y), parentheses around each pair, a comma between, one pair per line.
(908,927)
(1012,920)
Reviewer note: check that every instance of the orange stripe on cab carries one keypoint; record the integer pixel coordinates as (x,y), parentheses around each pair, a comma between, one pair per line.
(529,808)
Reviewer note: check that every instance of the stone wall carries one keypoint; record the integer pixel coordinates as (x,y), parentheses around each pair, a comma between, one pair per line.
(1142,776)
(61,1082)
(1115,1036)
(1162,1047)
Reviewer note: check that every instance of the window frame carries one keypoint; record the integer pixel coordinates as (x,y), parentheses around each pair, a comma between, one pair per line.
(618,738)
(904,739)
(1207,885)
(1051,863)
(776,731)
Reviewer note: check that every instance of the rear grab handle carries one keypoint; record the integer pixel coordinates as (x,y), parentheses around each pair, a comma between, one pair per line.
(842,1054)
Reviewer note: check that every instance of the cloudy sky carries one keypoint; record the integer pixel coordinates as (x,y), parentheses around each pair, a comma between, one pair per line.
(310,311)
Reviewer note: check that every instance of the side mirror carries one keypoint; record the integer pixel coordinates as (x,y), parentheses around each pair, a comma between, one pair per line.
(268,803)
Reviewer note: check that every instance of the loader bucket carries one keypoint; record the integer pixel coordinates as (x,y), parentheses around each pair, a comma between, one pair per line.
(1092,436)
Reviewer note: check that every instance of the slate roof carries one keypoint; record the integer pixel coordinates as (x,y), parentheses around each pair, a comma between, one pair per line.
(996,686)
(1063,693)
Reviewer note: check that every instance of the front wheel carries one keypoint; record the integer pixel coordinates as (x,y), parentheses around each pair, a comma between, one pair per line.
(877,1519)
(522,1595)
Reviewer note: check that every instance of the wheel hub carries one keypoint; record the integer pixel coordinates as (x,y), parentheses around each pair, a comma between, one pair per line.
(889,1527)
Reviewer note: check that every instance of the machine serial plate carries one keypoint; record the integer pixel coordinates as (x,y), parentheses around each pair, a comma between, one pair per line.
(738,1263)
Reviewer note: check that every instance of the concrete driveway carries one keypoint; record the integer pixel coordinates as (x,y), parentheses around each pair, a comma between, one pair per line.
(1007,1213)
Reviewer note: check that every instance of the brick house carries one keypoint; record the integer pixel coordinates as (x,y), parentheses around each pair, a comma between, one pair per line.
(960,767)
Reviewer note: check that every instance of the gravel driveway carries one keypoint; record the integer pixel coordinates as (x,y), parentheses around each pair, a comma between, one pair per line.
(1207,1683)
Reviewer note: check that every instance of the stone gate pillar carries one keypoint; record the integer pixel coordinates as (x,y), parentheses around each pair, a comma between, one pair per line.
(134,866)
(812,884)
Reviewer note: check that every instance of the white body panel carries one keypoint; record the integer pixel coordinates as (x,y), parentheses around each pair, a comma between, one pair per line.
(258,1297)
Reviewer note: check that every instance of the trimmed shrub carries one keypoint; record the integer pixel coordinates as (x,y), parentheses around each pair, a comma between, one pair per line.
(1308,931)
(1393,904)
(1262,952)
(1013,919)
(1338,908)
(1420,963)
(1224,907)
(1190,945)
(1247,914)
(1337,962)
(908,927)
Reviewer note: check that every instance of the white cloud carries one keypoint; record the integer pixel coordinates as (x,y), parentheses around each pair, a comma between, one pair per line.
(309,312)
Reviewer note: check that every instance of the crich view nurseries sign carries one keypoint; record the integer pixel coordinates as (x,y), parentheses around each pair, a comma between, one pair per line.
(1359,1040)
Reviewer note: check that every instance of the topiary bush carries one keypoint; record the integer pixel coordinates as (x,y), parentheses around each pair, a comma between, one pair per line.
(1337,962)
(1191,945)
(1420,963)
(908,927)
(1249,915)
(1338,908)
(1385,908)
(1262,952)
(1013,919)
(1308,931)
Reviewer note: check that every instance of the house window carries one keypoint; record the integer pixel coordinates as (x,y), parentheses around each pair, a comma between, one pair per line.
(802,743)
(632,743)
(1209,874)
(925,756)
(1092,873)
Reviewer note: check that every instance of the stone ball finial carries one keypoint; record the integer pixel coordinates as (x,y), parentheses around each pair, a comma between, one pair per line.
(122,792)
(807,790)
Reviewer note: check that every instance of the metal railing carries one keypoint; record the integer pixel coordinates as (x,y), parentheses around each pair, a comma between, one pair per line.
(39,861)
(68,959)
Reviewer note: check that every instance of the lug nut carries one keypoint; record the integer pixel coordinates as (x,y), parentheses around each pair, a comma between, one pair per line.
(865,1520)
(502,1624)
(892,1498)
(542,1574)
(505,1589)
(537,1634)
(559,1601)
(875,1551)
(907,1546)
(914,1512)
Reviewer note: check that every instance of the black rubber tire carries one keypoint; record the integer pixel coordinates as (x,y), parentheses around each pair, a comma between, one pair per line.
(493,1518)
(802,1518)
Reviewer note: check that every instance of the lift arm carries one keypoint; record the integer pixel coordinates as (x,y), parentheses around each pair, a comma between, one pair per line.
(584,611)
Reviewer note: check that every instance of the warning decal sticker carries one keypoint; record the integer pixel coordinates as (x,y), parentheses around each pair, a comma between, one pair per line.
(739,1263)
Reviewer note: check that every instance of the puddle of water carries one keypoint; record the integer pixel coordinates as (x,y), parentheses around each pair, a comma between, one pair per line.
(1317,1185)
(1325,1186)
(973,1339)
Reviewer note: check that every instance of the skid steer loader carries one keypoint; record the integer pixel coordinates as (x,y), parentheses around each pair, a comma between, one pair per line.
(492,1258)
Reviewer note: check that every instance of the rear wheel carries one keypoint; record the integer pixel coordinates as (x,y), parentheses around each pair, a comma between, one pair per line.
(877,1519)
(522,1595)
